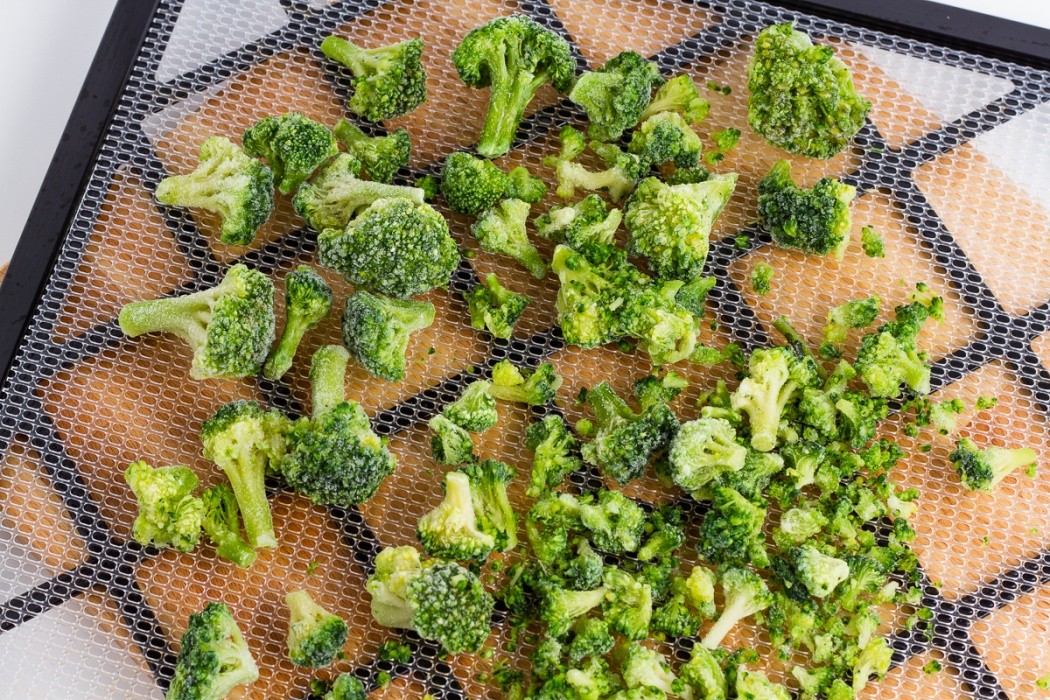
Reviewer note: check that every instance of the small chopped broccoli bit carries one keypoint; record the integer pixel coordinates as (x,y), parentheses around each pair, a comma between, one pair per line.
(229,327)
(889,356)
(222,524)
(666,137)
(395,651)
(488,492)
(169,514)
(809,568)
(642,667)
(514,56)
(377,330)
(213,657)
(774,375)
(535,389)
(501,231)
(802,96)
(334,457)
(755,684)
(651,389)
(815,220)
(943,415)
(246,442)
(628,605)
(389,81)
(614,523)
(336,194)
(725,141)
(475,409)
(560,607)
(692,295)
(731,532)
(522,185)
(471,185)
(293,145)
(555,454)
(982,470)
(745,594)
(395,247)
(859,313)
(618,179)
(237,188)
(576,225)
(346,687)
(702,451)
(932,666)
(670,224)
(307,301)
(450,531)
(874,659)
(430,186)
(548,524)
(983,403)
(615,95)
(380,156)
(450,443)
(495,308)
(872,243)
(441,601)
(1043,683)
(315,635)
(762,277)
(679,94)
(699,590)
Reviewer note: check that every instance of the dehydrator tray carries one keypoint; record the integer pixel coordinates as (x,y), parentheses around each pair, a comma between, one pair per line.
(952,169)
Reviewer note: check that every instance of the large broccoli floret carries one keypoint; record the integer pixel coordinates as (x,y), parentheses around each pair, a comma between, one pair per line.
(664,329)
(337,194)
(213,657)
(731,532)
(615,95)
(982,470)
(590,637)
(395,247)
(704,675)
(670,224)
(441,601)
(559,607)
(773,378)
(628,606)
(576,225)
(307,301)
(593,290)
(535,388)
(642,667)
(555,454)
(614,523)
(222,524)
(388,81)
(679,94)
(815,220)
(246,442)
(495,308)
(228,183)
(315,635)
(802,96)
(376,331)
(475,409)
(333,457)
(169,514)
(703,450)
(501,230)
(584,571)
(745,594)
(229,327)
(513,56)
(380,156)
(592,681)
(889,356)
(488,493)
(346,687)
(618,179)
(471,185)
(450,530)
(666,137)
(293,145)
(450,444)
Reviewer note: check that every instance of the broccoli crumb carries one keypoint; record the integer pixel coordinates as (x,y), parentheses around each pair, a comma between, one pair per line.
(761,277)
(743,242)
(1044,682)
(985,402)
(312,567)
(395,651)
(871,241)
(383,679)
(925,448)
(715,87)
(932,667)
(725,140)
(1031,471)
(584,427)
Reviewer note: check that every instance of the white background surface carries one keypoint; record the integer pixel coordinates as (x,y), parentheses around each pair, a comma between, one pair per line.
(46,47)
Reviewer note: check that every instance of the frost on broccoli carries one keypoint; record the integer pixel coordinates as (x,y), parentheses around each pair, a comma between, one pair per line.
(169,514)
(618,179)
(535,388)
(229,327)
(315,635)
(501,231)
(576,225)
(816,220)
(642,667)
(475,409)
(389,81)
(982,470)
(294,146)
(555,455)
(702,451)
(495,308)
(450,530)
(380,156)
(377,330)
(450,444)
(806,571)
(615,95)
(213,657)
(222,524)
(307,301)
(679,94)
(237,188)
(802,96)
(666,137)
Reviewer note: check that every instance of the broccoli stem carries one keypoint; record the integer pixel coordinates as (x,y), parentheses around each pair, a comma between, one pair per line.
(731,615)
(798,344)
(249,486)
(360,61)
(184,316)
(507,101)
(283,354)
(327,372)
(229,545)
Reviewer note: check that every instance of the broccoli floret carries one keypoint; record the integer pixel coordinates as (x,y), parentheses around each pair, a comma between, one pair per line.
(725,141)
(315,635)
(376,331)
(703,450)
(802,460)
(547,663)
(169,514)
(222,524)
(859,313)
(772,380)
(555,454)
(246,442)
(669,225)
(441,601)
(642,667)
(874,659)
(628,606)
(889,356)
(475,409)
(307,301)
(389,81)
(522,185)
(293,145)
(815,220)
(576,225)
(450,443)
(614,523)
(559,607)
(819,573)
(731,532)
(451,531)
(704,675)
(859,417)
(430,186)
(943,414)
(548,524)
(471,185)
(584,571)
(762,278)
(593,290)
(334,458)
(692,295)
(745,594)
(495,308)
(872,243)
(346,687)
(751,481)
(639,694)
(488,493)
(666,137)
(675,617)
(700,591)
(513,56)
(754,685)
(336,195)
(615,95)
(802,96)
(380,156)
(591,682)
(663,328)
(651,389)
(590,638)
(665,533)
(982,470)
(229,327)
(625,440)
(228,183)
(535,388)
(618,179)
(679,94)
(213,657)
(501,231)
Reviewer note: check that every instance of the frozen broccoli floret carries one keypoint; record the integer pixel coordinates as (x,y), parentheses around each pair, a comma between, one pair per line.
(652,389)
(535,388)
(522,185)
(614,523)
(586,221)
(859,417)
(982,470)
(222,524)
(307,301)
(943,415)
(798,525)
(228,183)
(450,531)
(815,220)
(615,95)
(872,243)
(675,617)
(874,659)
(618,179)
(666,137)
(762,278)
(346,687)
(450,444)
(628,606)
(584,571)
(751,481)
(169,514)
(755,685)
(548,524)
(471,185)
(745,594)
(700,591)
(213,657)
(859,313)
(376,331)
(731,532)
(819,573)
(513,56)
(501,231)
(725,141)
(642,667)
(889,356)
(229,327)
(315,635)
(495,308)
(679,94)
(771,382)
(559,607)
(488,493)
(592,681)
(294,146)
(475,409)
(430,186)
(703,675)
(380,156)
(555,455)
(590,637)
(802,96)
(389,81)
(702,451)
(664,533)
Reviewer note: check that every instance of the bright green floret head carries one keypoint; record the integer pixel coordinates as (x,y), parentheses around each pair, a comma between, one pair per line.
(590,637)
(522,185)
(389,81)
(818,572)
(222,524)
(859,313)
(679,94)
(377,330)
(495,308)
(229,183)
(488,493)
(535,388)
(294,146)
(450,530)
(745,594)
(307,301)
(666,138)
(475,409)
(315,635)
(555,455)
(615,95)
(664,329)
(614,523)
(380,156)
(576,225)
(628,606)
(450,444)
(471,185)
(169,514)
(213,657)
(501,231)
(816,220)
(642,667)
(771,382)
(890,356)
(703,674)
(731,532)
(982,470)
(346,687)
(559,607)
(756,686)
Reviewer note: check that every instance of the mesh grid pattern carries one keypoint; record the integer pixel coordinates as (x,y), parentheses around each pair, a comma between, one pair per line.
(81,401)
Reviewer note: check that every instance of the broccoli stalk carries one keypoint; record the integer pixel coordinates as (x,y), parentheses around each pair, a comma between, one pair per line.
(615,95)
(488,494)
(222,523)
(982,470)
(293,145)
(307,301)
(315,635)
(501,231)
(535,388)
(169,514)
(495,308)
(389,81)
(475,409)
(380,156)
(745,594)
(450,530)
(376,331)
(213,657)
